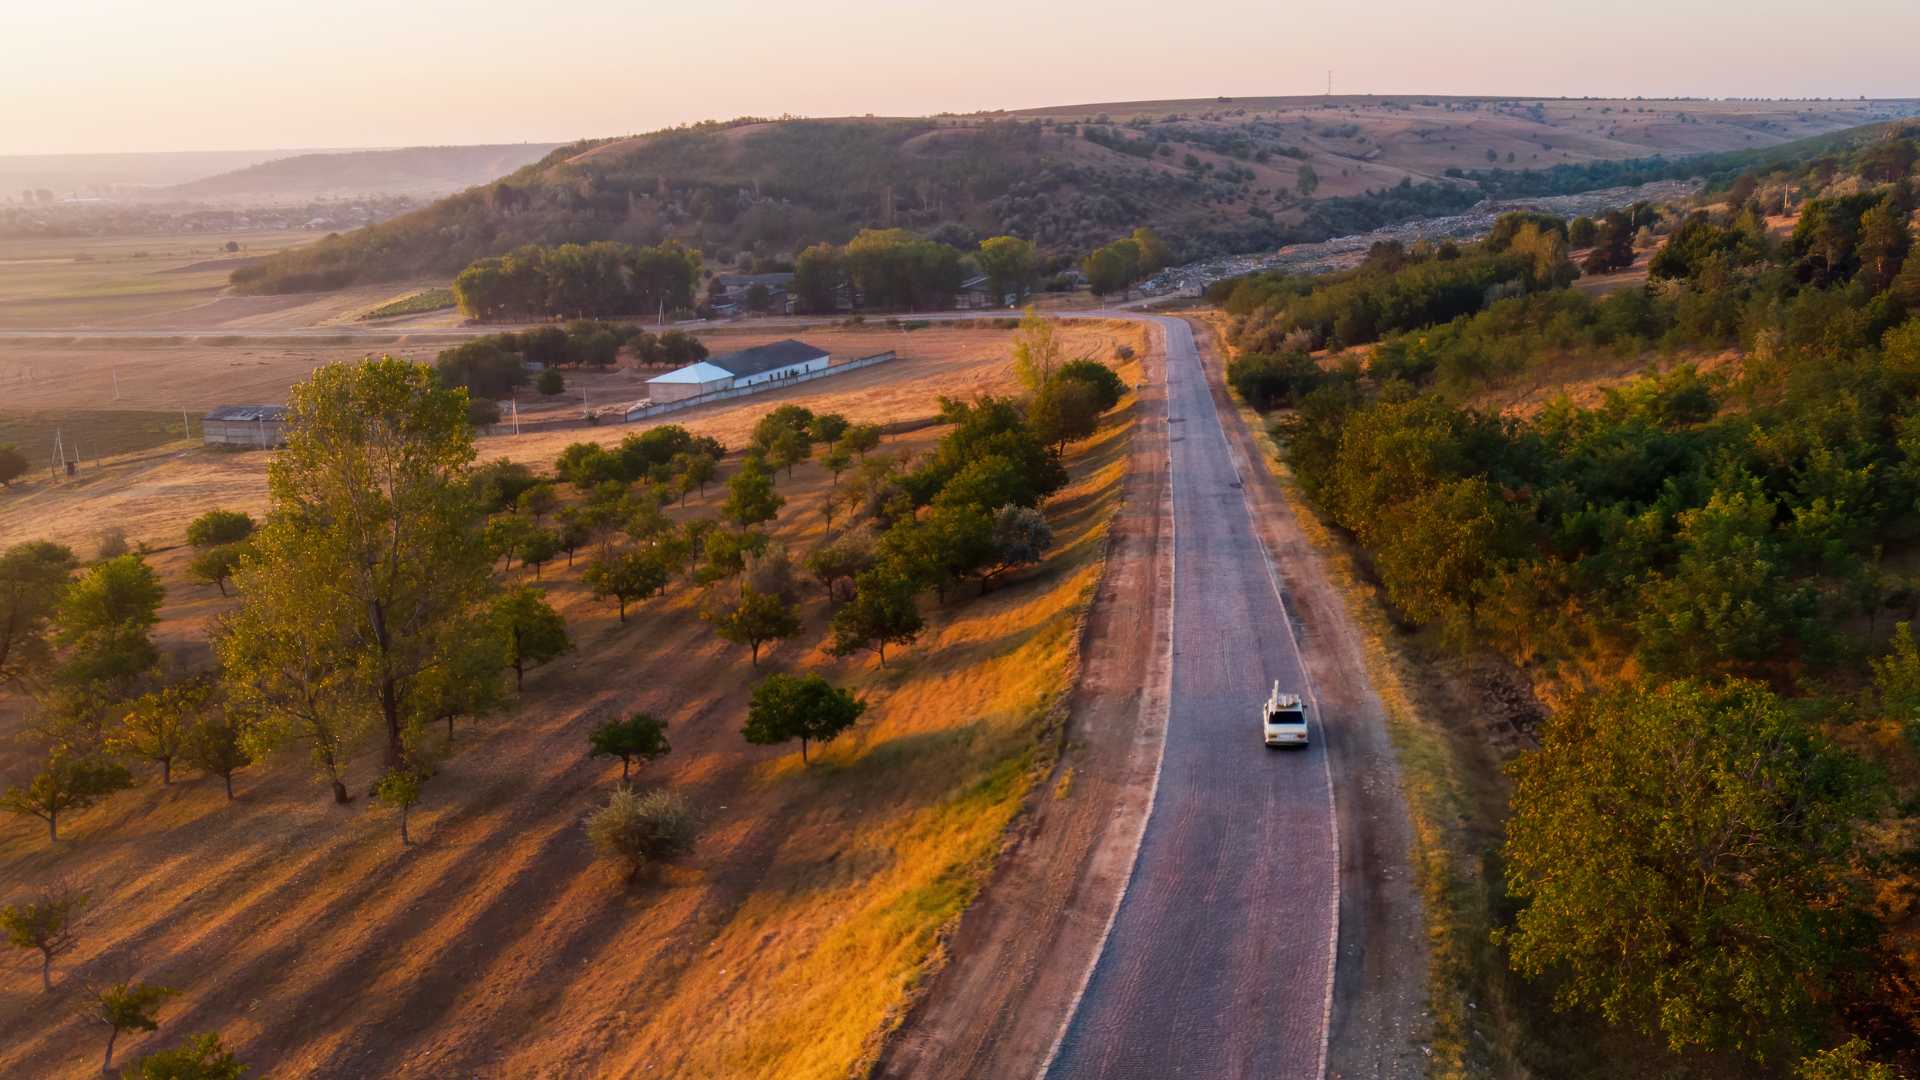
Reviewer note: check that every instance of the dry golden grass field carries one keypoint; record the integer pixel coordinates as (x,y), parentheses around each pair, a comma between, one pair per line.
(785,945)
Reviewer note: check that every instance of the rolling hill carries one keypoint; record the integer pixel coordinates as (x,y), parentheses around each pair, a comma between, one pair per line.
(1212,176)
(416,170)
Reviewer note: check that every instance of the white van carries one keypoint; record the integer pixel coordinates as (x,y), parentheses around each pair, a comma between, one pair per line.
(1283,720)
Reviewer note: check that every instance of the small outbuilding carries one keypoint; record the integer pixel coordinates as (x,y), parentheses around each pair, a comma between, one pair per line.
(748,367)
(258,426)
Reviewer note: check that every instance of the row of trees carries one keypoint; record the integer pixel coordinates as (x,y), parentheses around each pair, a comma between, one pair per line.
(896,269)
(595,280)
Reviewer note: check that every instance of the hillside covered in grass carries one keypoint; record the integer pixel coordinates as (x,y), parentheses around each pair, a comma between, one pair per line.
(1213,177)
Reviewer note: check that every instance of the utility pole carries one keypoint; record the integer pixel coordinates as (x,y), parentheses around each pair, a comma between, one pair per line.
(116,382)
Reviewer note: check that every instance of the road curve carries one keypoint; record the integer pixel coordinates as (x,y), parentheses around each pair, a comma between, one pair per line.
(1219,961)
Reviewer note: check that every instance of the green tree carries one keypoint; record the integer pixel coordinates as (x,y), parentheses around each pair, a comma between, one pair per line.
(373,557)
(641,735)
(217,527)
(642,829)
(1848,1061)
(1306,181)
(104,623)
(785,450)
(1012,265)
(125,1006)
(1064,411)
(1021,537)
(33,576)
(804,707)
(750,495)
(1037,351)
(68,781)
(1681,852)
(696,468)
(753,620)
(216,565)
(551,383)
(156,724)
(531,632)
(538,501)
(537,548)
(884,611)
(399,789)
(201,1057)
(819,274)
(1104,382)
(13,464)
(216,745)
(861,439)
(44,923)
(626,577)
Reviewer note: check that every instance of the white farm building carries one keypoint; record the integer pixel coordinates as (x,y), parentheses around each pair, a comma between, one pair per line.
(748,367)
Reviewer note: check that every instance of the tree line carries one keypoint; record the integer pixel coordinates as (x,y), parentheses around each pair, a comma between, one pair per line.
(596,280)
(1704,844)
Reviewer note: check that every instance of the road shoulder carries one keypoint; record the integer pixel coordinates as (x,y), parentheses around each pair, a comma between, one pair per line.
(1380,1020)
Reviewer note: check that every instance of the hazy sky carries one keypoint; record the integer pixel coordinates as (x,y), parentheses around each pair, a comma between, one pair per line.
(126,75)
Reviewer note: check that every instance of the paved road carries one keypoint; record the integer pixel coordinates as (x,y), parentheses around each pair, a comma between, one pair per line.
(1220,959)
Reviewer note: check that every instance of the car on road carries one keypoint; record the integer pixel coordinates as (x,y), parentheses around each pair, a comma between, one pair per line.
(1283,720)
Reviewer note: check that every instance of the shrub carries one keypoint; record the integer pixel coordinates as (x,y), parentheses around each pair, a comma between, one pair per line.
(642,829)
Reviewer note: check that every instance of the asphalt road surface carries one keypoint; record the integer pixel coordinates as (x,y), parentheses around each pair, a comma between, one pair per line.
(1220,958)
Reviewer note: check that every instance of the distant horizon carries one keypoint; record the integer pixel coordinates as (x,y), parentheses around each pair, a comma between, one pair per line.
(8,155)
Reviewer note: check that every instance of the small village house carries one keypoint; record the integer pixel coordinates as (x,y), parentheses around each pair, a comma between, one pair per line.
(748,367)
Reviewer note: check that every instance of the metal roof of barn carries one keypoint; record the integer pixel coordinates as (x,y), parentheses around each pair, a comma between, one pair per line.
(761,358)
(247,412)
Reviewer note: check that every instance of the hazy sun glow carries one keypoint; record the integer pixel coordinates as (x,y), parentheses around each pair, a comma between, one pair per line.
(137,75)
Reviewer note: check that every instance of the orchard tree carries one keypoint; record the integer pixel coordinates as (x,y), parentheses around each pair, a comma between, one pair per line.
(787,449)
(642,736)
(861,439)
(804,707)
(216,745)
(531,631)
(103,625)
(696,468)
(753,620)
(68,781)
(537,548)
(44,923)
(216,565)
(399,790)
(750,495)
(1021,537)
(32,577)
(640,830)
(157,723)
(537,502)
(201,1057)
(1682,854)
(218,527)
(884,611)
(626,577)
(840,560)
(372,558)
(125,1006)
